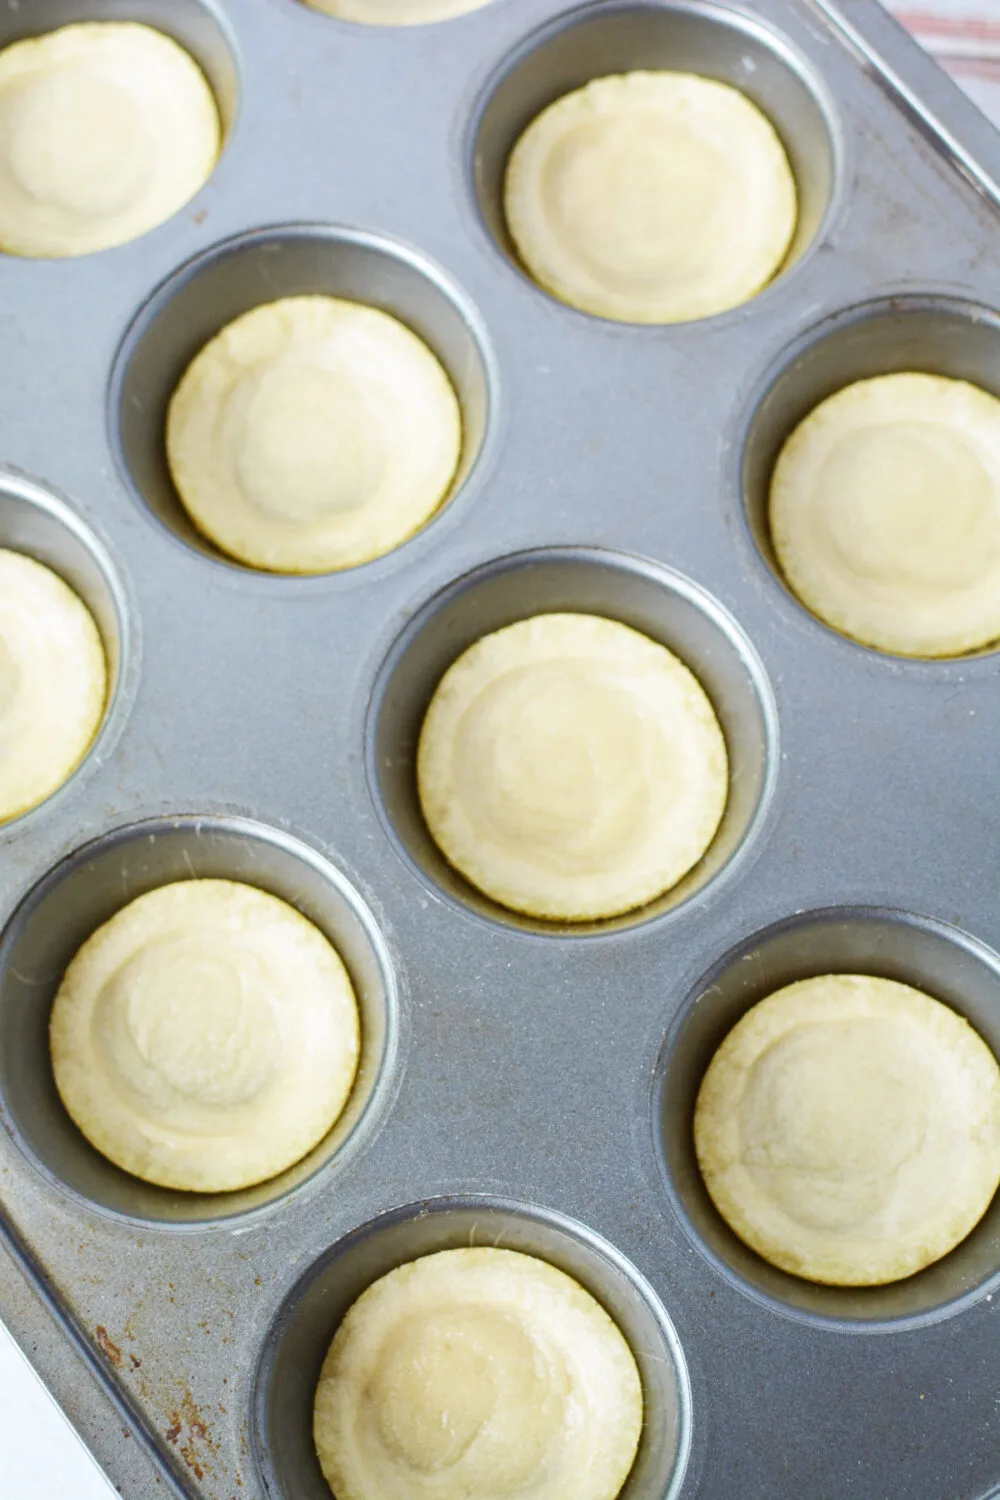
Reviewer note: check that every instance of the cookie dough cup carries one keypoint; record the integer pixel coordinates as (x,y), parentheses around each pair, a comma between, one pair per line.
(477,1373)
(848,1129)
(885,514)
(651,198)
(313,434)
(106,130)
(571,768)
(53,683)
(396,12)
(206,1037)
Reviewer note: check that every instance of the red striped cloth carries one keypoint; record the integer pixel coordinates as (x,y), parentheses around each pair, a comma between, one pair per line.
(964,35)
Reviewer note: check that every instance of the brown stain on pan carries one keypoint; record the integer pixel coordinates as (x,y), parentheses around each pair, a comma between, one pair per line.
(191,1435)
(106,1346)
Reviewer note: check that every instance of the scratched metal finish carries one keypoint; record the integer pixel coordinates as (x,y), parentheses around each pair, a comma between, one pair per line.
(538,1083)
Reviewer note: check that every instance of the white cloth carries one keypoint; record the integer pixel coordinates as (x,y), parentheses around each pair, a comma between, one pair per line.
(41,1456)
(964,36)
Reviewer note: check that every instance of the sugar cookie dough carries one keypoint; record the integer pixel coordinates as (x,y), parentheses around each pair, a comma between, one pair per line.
(885,514)
(473,1374)
(106,129)
(571,768)
(848,1129)
(651,198)
(396,12)
(313,434)
(206,1037)
(53,682)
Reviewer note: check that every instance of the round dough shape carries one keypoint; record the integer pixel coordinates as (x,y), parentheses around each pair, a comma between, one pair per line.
(396,12)
(885,514)
(651,198)
(53,682)
(477,1374)
(848,1129)
(313,434)
(571,768)
(107,128)
(206,1037)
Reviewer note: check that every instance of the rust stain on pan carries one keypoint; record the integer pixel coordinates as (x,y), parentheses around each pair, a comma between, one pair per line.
(107,1347)
(191,1435)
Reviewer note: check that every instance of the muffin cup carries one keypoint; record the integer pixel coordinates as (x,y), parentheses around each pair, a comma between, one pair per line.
(86,890)
(645,595)
(946,964)
(300,1335)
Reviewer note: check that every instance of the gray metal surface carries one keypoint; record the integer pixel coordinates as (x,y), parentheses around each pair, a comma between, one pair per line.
(523,1086)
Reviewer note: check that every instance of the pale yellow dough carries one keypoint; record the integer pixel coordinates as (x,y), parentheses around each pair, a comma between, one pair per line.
(206,1037)
(885,514)
(651,198)
(571,768)
(396,12)
(53,682)
(106,129)
(477,1374)
(848,1129)
(313,434)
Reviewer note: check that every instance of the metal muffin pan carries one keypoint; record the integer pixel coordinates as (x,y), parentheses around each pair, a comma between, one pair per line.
(522,1084)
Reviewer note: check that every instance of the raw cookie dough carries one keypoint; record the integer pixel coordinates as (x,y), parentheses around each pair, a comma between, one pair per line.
(396,12)
(651,198)
(206,1037)
(475,1374)
(571,768)
(313,434)
(848,1129)
(53,682)
(106,129)
(885,514)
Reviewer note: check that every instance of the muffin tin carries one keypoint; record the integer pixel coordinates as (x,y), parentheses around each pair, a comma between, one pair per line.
(523,1085)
